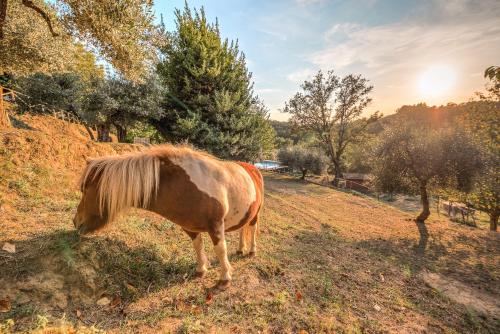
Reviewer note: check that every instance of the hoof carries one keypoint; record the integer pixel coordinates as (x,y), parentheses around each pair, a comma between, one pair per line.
(251,254)
(223,284)
(200,274)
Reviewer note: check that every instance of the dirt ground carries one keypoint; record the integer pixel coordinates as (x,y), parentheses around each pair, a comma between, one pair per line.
(328,261)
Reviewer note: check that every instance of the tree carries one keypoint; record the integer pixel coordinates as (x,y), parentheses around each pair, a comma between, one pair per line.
(121,103)
(413,157)
(486,192)
(331,108)
(26,48)
(483,123)
(46,93)
(493,73)
(210,102)
(303,159)
(34,33)
(287,135)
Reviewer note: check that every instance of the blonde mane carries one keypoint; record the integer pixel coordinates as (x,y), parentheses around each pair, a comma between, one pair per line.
(129,180)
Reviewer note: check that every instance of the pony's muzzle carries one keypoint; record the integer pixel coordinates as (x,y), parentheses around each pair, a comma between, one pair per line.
(78,224)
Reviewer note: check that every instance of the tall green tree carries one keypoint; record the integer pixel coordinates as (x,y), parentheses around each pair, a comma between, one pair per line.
(210,102)
(331,107)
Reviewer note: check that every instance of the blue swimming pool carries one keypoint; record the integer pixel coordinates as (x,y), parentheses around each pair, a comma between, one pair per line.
(267,164)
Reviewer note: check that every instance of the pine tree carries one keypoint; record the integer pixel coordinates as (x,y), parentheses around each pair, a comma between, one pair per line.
(210,102)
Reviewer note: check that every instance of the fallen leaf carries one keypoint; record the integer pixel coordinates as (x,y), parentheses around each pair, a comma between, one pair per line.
(115,302)
(298,295)
(382,279)
(209,299)
(180,305)
(103,301)
(5,305)
(9,248)
(131,288)
(195,309)
(78,314)
(376,307)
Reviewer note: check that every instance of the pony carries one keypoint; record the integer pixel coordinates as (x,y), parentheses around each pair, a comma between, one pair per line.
(193,189)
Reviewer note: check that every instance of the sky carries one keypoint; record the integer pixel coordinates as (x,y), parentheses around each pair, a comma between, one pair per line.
(432,51)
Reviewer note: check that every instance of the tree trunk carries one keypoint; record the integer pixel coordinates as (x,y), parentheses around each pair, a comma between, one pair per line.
(74,113)
(304,172)
(3,15)
(103,133)
(4,117)
(158,125)
(121,133)
(338,173)
(494,221)
(425,203)
(89,131)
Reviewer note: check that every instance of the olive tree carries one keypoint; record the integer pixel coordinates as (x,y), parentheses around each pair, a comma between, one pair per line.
(303,159)
(331,108)
(120,103)
(413,158)
(483,123)
(35,35)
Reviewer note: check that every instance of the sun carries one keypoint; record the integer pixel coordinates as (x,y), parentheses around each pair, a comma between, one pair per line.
(437,81)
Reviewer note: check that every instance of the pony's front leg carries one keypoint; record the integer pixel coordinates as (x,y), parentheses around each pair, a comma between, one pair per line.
(201,258)
(220,247)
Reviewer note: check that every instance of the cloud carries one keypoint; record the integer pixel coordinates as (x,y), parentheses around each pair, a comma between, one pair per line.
(272,33)
(300,75)
(389,47)
(309,2)
(268,90)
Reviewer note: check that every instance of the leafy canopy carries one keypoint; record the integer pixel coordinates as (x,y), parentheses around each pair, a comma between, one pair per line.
(121,102)
(331,107)
(38,36)
(303,159)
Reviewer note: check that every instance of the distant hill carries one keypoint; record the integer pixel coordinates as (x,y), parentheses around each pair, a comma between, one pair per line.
(438,115)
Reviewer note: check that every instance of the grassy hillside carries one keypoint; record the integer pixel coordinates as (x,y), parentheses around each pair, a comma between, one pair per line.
(328,261)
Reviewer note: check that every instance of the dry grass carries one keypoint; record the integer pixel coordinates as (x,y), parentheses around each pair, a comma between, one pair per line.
(328,261)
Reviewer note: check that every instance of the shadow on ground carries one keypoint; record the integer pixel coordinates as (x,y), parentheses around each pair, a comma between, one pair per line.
(61,273)
(385,276)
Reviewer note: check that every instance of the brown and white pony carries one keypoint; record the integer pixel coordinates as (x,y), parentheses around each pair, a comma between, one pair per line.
(192,189)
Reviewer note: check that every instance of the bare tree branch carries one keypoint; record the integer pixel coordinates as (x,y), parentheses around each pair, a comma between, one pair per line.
(30,4)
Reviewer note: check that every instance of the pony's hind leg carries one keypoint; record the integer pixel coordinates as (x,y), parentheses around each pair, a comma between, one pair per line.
(220,247)
(242,246)
(253,239)
(201,258)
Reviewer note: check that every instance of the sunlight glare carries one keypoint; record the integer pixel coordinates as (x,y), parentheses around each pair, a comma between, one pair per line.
(436,81)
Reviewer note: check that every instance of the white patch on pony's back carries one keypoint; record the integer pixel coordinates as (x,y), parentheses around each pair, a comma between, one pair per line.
(227,182)
(125,181)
